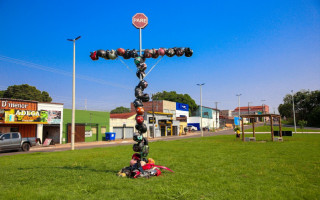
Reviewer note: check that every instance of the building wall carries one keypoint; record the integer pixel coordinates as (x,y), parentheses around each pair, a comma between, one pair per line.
(120,122)
(93,119)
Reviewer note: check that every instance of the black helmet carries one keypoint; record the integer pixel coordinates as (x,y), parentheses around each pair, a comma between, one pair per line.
(137,138)
(101,53)
(138,92)
(137,103)
(188,52)
(143,84)
(142,66)
(155,53)
(134,53)
(145,98)
(179,52)
(142,128)
(138,60)
(127,54)
(170,52)
(140,74)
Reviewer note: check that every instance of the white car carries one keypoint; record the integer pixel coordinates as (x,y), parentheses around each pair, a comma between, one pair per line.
(192,128)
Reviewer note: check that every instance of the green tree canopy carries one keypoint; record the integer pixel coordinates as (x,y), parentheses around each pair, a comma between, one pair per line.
(307,106)
(25,92)
(173,96)
(120,109)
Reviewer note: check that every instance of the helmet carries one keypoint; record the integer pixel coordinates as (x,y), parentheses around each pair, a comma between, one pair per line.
(138,92)
(143,84)
(136,156)
(134,53)
(145,98)
(141,74)
(179,52)
(147,53)
(139,119)
(138,60)
(142,66)
(170,52)
(188,52)
(127,54)
(93,55)
(120,51)
(155,53)
(112,55)
(145,151)
(161,51)
(142,128)
(101,53)
(137,103)
(140,110)
(138,138)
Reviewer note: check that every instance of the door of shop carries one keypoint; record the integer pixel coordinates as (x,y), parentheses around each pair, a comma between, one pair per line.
(79,133)
(163,130)
(121,132)
(174,130)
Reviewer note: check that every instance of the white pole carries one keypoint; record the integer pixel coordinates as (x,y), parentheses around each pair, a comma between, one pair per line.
(239,109)
(294,114)
(201,110)
(73,95)
(140,41)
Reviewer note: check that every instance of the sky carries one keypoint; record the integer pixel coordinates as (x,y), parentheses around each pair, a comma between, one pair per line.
(259,49)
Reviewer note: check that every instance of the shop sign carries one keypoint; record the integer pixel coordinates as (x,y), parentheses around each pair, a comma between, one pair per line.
(88,134)
(182,106)
(151,120)
(21,105)
(54,117)
(24,116)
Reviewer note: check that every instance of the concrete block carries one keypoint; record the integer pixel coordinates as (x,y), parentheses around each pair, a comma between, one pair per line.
(250,139)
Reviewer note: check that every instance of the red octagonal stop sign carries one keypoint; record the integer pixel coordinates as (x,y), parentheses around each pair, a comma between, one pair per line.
(140,20)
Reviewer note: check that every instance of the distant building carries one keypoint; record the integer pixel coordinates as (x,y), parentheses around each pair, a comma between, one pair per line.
(210,118)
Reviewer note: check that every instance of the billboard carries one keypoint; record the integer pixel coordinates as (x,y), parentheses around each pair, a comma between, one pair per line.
(182,106)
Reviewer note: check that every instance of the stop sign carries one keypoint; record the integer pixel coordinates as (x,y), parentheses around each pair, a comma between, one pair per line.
(140,20)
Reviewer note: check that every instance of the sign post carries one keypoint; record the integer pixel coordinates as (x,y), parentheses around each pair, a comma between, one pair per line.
(140,21)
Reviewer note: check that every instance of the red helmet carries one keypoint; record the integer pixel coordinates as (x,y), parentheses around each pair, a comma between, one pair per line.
(120,51)
(93,55)
(136,156)
(161,51)
(140,110)
(139,119)
(147,53)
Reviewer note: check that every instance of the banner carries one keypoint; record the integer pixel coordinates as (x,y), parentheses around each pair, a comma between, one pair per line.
(24,116)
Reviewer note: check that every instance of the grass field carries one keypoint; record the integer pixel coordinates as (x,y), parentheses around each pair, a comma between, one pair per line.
(267,128)
(218,167)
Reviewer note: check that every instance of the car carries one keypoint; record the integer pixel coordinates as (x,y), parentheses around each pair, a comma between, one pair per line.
(14,141)
(192,128)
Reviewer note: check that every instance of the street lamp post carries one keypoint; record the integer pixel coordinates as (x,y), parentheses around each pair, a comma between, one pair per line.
(294,114)
(73,91)
(238,95)
(263,110)
(201,107)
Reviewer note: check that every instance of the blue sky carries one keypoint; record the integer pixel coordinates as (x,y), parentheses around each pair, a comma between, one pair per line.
(261,49)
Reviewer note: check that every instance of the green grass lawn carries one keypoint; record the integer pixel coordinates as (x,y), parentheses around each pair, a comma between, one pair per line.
(267,128)
(218,167)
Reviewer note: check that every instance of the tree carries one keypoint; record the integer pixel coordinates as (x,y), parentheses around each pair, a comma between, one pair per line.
(26,92)
(120,109)
(307,106)
(173,96)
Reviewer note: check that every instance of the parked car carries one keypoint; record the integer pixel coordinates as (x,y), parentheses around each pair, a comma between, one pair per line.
(192,128)
(13,141)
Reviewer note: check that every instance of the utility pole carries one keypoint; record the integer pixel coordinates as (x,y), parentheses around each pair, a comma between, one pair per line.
(201,107)
(294,114)
(263,110)
(216,114)
(154,130)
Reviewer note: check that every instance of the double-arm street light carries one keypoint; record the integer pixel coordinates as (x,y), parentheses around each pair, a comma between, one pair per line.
(201,84)
(73,91)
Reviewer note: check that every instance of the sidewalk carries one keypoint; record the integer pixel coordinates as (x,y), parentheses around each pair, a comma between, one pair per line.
(109,143)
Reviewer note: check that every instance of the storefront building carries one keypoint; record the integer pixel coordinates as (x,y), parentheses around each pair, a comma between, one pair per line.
(31,118)
(123,124)
(89,125)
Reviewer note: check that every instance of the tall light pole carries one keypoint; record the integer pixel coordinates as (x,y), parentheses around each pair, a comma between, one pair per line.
(201,107)
(263,109)
(73,91)
(238,95)
(216,114)
(294,114)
